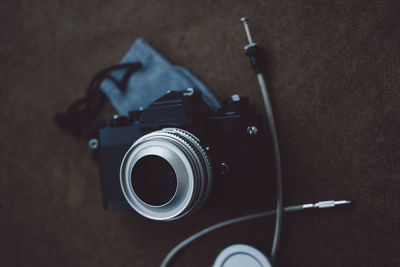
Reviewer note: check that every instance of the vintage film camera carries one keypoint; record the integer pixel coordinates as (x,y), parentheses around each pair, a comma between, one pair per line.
(165,161)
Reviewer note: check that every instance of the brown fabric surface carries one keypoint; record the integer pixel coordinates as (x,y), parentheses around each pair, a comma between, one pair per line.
(333,77)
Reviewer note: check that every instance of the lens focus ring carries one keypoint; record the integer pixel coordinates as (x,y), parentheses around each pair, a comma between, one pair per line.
(190,162)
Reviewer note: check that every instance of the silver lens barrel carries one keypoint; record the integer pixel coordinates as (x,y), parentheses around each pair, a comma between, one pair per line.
(190,164)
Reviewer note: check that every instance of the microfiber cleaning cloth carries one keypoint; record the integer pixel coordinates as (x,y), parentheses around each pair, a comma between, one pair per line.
(151,81)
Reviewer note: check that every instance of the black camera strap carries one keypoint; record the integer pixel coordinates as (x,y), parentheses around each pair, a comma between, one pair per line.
(79,117)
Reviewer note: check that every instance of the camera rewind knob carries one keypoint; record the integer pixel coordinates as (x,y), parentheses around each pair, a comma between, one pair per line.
(119,120)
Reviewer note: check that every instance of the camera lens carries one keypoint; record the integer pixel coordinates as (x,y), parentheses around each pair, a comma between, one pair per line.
(166,174)
(154,180)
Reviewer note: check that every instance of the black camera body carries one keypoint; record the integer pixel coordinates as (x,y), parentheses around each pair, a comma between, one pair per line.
(233,138)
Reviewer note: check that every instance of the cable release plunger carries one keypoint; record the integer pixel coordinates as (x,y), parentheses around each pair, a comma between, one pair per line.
(252,49)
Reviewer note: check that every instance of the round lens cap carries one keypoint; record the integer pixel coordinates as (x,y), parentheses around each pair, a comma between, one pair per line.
(240,255)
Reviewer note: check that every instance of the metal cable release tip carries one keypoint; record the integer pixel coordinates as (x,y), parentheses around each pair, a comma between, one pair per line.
(244,20)
(252,49)
(326,204)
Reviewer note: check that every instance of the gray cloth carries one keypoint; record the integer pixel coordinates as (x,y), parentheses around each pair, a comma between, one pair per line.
(152,81)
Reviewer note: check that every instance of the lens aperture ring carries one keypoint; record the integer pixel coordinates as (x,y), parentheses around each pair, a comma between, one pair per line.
(206,179)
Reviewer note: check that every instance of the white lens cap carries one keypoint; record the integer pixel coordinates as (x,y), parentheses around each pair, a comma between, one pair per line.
(241,255)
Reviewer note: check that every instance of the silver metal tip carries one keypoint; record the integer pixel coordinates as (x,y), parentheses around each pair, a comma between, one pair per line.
(326,204)
(342,202)
(246,27)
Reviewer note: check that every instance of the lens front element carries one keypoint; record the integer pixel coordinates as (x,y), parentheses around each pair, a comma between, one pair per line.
(154,180)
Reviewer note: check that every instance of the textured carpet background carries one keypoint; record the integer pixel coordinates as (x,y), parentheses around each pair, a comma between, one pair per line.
(334,82)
